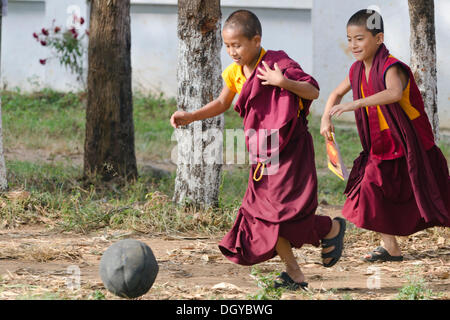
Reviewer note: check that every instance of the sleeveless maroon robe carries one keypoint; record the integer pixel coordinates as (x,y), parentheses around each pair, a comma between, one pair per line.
(403,195)
(282,203)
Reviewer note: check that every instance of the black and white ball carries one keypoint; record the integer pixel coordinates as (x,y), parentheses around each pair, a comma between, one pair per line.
(128,268)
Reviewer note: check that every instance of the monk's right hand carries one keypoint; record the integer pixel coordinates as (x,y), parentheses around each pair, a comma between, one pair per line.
(181,118)
(326,128)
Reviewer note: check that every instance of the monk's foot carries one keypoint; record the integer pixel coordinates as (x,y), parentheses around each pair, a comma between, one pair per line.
(296,274)
(335,227)
(391,245)
(382,255)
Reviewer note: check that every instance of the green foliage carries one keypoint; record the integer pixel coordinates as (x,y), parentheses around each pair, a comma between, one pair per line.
(346,136)
(331,189)
(53,123)
(66,45)
(265,283)
(415,289)
(98,295)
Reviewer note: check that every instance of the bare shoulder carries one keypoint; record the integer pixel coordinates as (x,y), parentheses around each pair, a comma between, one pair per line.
(397,73)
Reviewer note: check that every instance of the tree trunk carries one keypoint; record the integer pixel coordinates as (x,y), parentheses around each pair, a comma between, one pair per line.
(109,145)
(423,56)
(3,181)
(199,82)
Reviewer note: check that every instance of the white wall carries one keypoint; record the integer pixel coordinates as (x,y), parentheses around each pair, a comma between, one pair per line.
(20,62)
(154,41)
(153,35)
(316,39)
(20,51)
(332,59)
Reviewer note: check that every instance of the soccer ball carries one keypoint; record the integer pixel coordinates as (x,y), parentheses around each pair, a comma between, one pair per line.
(128,268)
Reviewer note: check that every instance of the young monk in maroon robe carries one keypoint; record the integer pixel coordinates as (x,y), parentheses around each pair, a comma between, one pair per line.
(400,183)
(278,209)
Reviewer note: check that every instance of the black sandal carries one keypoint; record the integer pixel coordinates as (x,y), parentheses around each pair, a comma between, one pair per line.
(285,281)
(381,254)
(337,242)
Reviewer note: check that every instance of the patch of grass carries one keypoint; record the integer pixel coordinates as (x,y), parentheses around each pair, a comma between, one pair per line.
(265,283)
(347,296)
(347,138)
(416,289)
(53,122)
(42,119)
(331,189)
(444,145)
(152,126)
(97,295)
(42,296)
(233,187)
(59,198)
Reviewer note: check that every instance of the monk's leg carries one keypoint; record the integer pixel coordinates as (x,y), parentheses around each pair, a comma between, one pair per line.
(284,250)
(391,245)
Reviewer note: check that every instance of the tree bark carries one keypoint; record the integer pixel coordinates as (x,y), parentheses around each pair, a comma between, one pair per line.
(200,146)
(109,146)
(423,56)
(3,181)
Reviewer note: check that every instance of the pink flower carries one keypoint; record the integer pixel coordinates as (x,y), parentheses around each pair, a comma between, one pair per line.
(57,29)
(81,20)
(44,32)
(44,43)
(73,30)
(42,61)
(35,35)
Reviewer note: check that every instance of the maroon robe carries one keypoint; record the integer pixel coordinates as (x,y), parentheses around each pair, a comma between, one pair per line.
(284,202)
(403,195)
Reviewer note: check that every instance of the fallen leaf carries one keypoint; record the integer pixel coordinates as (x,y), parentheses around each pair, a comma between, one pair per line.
(226,286)
(310,265)
(18,195)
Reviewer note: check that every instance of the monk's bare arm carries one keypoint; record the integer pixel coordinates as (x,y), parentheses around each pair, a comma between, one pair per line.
(212,109)
(335,98)
(275,77)
(395,82)
(302,89)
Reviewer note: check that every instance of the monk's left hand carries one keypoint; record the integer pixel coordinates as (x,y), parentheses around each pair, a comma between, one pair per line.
(271,77)
(339,109)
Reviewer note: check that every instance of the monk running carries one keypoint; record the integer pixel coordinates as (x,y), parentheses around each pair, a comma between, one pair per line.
(400,183)
(278,209)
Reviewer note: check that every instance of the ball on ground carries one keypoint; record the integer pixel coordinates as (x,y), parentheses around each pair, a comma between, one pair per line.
(128,268)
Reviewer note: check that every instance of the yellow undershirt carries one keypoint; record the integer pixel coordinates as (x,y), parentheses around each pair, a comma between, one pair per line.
(235,79)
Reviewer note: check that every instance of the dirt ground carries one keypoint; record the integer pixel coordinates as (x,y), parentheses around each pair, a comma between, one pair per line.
(36,263)
(40,263)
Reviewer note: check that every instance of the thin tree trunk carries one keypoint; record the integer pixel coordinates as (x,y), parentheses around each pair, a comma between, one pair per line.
(3,181)
(109,146)
(423,56)
(199,82)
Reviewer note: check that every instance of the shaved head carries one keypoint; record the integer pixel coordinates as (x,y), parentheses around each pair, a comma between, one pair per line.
(246,22)
(370,19)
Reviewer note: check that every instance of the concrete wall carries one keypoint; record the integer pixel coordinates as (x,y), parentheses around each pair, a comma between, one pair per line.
(21,53)
(332,59)
(154,41)
(286,26)
(315,38)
